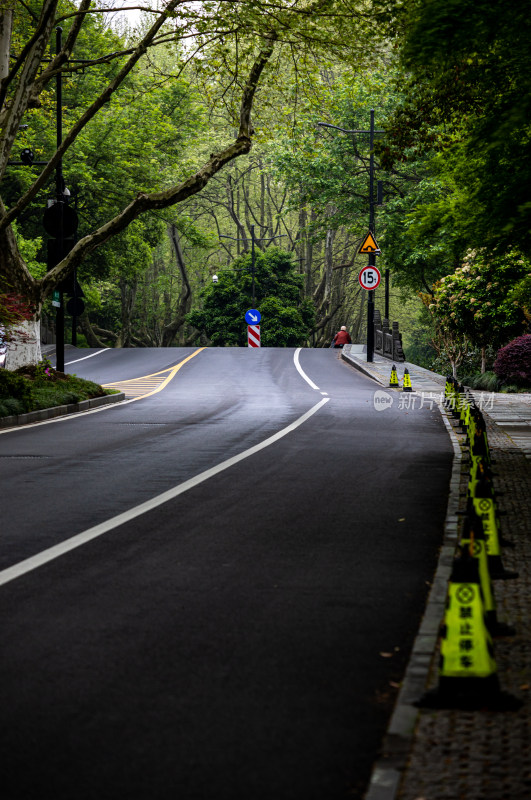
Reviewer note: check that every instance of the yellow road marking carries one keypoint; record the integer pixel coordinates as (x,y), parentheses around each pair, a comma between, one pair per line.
(145,386)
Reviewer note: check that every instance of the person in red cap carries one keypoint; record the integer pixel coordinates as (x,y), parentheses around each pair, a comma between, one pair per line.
(342,337)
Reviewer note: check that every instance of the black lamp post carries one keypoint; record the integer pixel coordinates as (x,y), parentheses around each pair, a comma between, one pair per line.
(60,219)
(372,256)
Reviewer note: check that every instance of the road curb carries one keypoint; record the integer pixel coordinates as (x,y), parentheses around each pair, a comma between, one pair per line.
(388,770)
(17,420)
(356,364)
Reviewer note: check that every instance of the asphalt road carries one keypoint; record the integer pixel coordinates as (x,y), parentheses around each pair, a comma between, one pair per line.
(240,636)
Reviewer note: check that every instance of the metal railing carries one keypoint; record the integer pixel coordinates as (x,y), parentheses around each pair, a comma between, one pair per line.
(387,339)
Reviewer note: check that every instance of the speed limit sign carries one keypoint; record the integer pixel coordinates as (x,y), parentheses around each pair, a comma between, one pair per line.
(369,277)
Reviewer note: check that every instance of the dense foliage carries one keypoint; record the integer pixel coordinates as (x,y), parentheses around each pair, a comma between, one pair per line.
(157,157)
(16,394)
(473,301)
(287,320)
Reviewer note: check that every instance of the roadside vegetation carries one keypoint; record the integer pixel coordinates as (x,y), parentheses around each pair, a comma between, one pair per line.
(206,131)
(40,386)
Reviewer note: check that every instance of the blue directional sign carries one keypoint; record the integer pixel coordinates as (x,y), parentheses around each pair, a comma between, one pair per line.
(253,317)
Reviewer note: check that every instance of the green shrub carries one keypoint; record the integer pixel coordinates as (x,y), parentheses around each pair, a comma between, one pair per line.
(39,386)
(70,397)
(488,381)
(10,407)
(16,387)
(55,395)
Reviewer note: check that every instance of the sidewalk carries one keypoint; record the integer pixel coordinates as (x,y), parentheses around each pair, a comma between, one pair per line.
(511,412)
(432,754)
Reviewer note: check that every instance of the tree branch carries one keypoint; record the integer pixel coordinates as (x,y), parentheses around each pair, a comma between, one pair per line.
(71,136)
(176,194)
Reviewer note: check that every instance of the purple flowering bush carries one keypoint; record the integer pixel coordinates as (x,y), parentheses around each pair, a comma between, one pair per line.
(513,362)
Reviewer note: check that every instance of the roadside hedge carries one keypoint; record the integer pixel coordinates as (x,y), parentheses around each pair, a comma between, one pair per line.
(16,393)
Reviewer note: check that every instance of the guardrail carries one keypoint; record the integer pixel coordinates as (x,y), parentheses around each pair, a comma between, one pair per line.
(387,339)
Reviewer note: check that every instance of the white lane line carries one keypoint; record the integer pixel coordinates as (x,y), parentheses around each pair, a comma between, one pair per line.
(58,550)
(107,350)
(301,371)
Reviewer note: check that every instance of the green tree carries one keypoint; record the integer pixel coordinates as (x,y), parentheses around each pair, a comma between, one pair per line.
(467,94)
(473,301)
(287,320)
(229,45)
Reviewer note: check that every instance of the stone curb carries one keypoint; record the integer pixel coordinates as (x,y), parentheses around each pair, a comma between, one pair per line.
(361,368)
(59,411)
(390,767)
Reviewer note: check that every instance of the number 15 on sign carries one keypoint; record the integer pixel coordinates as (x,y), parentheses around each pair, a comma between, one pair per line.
(369,277)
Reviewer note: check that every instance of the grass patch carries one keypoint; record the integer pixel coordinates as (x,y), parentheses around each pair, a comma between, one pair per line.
(490,382)
(40,386)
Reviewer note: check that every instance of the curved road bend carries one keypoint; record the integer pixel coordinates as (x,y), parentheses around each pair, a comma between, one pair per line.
(227,642)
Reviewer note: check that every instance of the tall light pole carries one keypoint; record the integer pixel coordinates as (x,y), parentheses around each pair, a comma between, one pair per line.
(372,256)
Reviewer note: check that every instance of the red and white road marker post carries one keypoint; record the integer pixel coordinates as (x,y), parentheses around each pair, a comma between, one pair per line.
(253,336)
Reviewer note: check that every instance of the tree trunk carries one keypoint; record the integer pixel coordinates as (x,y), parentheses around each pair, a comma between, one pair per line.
(185,299)
(235,213)
(329,265)
(6,22)
(483,360)
(27,349)
(89,332)
(128,295)
(14,275)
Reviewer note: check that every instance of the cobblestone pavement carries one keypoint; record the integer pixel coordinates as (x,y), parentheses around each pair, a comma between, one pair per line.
(486,755)
(512,412)
(459,754)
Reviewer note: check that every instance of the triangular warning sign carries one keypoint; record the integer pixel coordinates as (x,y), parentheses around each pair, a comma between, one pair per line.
(369,244)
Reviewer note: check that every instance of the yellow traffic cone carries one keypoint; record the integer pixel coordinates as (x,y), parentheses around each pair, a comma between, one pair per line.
(480,486)
(474,540)
(478,470)
(393,380)
(479,443)
(406,385)
(485,508)
(448,386)
(468,675)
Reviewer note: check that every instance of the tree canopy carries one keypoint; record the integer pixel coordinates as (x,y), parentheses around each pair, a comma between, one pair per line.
(200,130)
(468,97)
(128,112)
(273,280)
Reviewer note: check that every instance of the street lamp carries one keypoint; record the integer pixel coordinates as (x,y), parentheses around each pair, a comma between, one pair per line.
(60,219)
(372,256)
